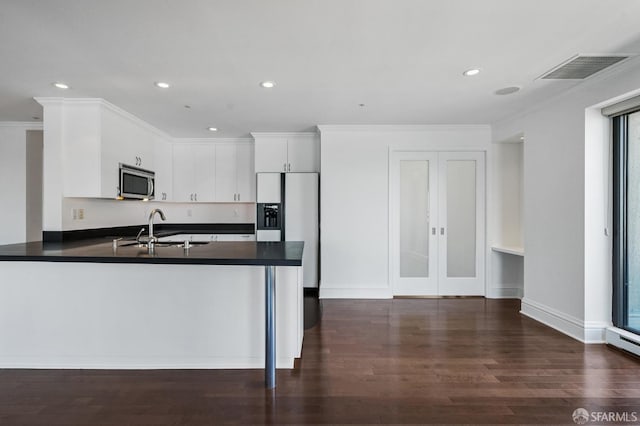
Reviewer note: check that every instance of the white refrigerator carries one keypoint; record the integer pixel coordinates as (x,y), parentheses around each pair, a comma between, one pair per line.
(295,198)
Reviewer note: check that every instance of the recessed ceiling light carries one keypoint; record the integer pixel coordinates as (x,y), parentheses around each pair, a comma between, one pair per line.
(507,90)
(162,84)
(60,85)
(361,105)
(212,129)
(187,106)
(267,84)
(471,72)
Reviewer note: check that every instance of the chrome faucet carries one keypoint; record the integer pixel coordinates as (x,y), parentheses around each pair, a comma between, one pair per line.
(152,238)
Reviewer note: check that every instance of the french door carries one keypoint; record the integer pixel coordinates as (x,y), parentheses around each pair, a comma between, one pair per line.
(437,223)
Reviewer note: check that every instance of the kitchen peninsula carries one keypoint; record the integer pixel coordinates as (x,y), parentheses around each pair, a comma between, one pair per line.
(93,305)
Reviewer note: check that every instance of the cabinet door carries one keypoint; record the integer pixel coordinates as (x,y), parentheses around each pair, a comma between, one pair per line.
(144,151)
(226,182)
(204,164)
(163,160)
(183,173)
(271,155)
(303,154)
(246,176)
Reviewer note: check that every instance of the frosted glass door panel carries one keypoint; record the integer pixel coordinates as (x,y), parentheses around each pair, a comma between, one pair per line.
(461,218)
(414,219)
(461,192)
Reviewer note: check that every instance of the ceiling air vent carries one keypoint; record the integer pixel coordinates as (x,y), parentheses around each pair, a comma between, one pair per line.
(581,67)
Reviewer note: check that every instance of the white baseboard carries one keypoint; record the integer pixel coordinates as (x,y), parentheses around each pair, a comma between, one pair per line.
(116,363)
(586,332)
(354,293)
(504,293)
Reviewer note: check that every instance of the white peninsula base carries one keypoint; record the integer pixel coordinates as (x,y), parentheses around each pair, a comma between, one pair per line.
(144,316)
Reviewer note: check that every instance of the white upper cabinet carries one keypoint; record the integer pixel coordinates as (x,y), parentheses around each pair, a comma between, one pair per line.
(245,173)
(303,154)
(131,144)
(226,181)
(286,152)
(99,136)
(194,172)
(163,158)
(271,155)
(235,178)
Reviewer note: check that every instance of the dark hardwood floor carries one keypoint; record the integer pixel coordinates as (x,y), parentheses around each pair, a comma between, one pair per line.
(454,361)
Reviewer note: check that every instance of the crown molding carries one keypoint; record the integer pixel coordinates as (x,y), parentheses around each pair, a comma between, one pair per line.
(283,134)
(213,140)
(27,125)
(400,127)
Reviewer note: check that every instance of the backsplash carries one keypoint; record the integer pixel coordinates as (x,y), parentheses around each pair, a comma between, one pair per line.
(90,213)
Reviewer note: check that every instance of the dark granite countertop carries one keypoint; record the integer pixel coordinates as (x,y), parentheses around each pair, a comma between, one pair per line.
(213,253)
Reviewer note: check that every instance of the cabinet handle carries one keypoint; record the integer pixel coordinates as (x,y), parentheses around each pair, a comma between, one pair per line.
(238,196)
(289,167)
(284,167)
(441,231)
(191,197)
(433,231)
(195,197)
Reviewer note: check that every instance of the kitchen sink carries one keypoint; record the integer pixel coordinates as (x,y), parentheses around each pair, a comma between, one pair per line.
(163,244)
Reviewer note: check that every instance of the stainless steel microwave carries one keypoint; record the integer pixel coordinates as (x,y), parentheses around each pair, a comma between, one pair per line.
(136,183)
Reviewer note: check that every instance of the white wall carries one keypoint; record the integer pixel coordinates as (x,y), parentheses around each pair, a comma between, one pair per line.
(13,181)
(104,213)
(354,194)
(566,280)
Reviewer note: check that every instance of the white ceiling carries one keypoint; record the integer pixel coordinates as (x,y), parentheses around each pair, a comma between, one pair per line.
(403,59)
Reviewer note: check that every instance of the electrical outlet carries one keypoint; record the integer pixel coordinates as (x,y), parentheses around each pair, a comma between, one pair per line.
(189,213)
(81,214)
